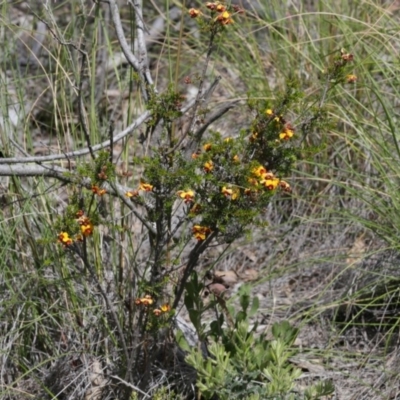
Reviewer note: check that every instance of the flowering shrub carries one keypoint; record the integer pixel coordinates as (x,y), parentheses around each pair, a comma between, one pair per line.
(189,191)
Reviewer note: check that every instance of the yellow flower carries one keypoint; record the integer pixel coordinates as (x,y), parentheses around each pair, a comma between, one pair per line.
(194,13)
(285,186)
(132,193)
(286,134)
(200,232)
(208,166)
(270,184)
(145,186)
(87,229)
(236,158)
(86,225)
(351,78)
(187,196)
(231,193)
(227,192)
(259,171)
(146,300)
(224,18)
(165,307)
(64,239)
(98,191)
(253,137)
(207,147)
(269,112)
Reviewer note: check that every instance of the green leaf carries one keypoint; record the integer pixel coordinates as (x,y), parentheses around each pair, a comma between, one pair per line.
(181,340)
(254,306)
(284,331)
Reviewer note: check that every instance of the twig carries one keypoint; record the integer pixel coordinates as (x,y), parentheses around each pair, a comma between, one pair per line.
(81,152)
(197,136)
(202,79)
(193,259)
(51,171)
(141,41)
(82,111)
(121,194)
(144,73)
(204,99)
(129,385)
(132,60)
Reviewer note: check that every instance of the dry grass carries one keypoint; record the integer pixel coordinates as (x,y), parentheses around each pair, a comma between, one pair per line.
(328,261)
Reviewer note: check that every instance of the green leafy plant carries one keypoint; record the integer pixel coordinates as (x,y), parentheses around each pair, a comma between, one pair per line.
(245,365)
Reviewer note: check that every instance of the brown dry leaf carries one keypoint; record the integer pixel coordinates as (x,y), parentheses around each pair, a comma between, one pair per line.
(355,254)
(250,274)
(217,288)
(228,278)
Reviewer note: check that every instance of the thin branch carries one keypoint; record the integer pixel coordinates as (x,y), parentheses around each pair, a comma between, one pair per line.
(197,136)
(129,385)
(81,152)
(120,191)
(82,111)
(132,60)
(141,41)
(201,84)
(205,98)
(193,259)
(144,73)
(50,171)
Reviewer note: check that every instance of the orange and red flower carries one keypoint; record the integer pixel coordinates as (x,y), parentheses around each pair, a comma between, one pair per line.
(208,166)
(64,239)
(200,232)
(187,196)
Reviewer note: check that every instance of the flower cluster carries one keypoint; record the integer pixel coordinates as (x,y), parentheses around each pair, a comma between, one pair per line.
(64,239)
(194,12)
(146,187)
(102,174)
(339,71)
(266,179)
(345,58)
(85,229)
(224,18)
(233,185)
(86,225)
(98,191)
(351,78)
(148,301)
(287,129)
(187,196)
(208,166)
(224,13)
(201,232)
(230,193)
(144,301)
